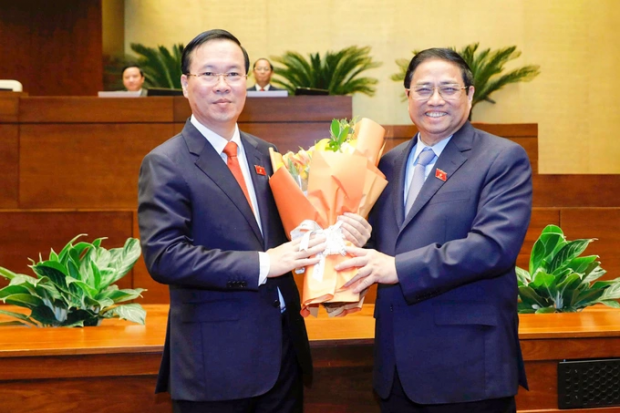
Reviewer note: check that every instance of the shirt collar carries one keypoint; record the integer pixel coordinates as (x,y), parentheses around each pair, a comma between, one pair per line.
(437,148)
(218,142)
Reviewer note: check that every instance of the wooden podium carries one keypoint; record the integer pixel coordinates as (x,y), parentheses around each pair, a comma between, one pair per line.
(112,368)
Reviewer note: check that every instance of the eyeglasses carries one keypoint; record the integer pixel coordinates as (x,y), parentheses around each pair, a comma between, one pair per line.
(210,78)
(262,69)
(425,92)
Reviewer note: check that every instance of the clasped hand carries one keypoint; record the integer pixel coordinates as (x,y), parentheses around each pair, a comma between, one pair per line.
(373,267)
(287,257)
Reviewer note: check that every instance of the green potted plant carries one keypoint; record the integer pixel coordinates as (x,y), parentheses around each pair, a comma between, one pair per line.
(337,72)
(559,280)
(161,67)
(487,66)
(75,288)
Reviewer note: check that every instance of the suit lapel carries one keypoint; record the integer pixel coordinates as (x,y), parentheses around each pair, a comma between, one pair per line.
(451,159)
(400,167)
(260,182)
(210,162)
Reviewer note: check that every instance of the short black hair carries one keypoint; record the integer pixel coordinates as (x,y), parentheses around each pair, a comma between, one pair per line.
(130,65)
(447,55)
(204,37)
(265,59)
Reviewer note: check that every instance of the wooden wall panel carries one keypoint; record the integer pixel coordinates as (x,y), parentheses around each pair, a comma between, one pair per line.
(288,138)
(100,170)
(95,110)
(9,155)
(283,110)
(100,395)
(543,378)
(53,48)
(15,32)
(577,190)
(602,224)
(9,107)
(525,135)
(26,234)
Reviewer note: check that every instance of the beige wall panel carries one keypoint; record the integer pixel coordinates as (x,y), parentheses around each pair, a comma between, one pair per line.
(573,42)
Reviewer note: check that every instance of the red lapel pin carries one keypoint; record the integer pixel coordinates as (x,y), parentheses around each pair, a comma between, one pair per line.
(439,174)
(260,170)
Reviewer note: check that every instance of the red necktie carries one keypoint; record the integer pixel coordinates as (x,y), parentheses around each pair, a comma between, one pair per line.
(262,89)
(233,163)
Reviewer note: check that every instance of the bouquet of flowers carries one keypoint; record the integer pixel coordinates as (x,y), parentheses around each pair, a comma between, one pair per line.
(313,187)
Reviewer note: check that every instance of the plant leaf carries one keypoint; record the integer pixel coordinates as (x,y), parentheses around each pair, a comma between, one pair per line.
(131,312)
(13,289)
(19,316)
(523,277)
(531,297)
(24,300)
(118,296)
(610,303)
(567,253)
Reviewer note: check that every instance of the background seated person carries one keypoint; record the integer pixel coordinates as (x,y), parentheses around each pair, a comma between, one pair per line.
(262,69)
(133,79)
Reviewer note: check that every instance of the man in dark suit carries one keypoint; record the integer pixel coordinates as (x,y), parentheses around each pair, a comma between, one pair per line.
(210,229)
(263,70)
(446,310)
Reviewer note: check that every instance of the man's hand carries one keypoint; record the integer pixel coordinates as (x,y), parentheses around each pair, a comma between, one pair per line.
(287,257)
(355,228)
(374,267)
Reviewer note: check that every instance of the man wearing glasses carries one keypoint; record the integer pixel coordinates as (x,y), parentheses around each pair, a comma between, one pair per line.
(262,69)
(446,232)
(210,229)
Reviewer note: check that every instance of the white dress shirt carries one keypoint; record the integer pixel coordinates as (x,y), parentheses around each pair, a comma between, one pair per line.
(218,142)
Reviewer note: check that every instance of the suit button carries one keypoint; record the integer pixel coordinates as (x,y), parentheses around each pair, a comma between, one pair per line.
(391,308)
(276,303)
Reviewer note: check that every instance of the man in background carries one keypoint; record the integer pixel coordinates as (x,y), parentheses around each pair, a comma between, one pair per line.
(133,79)
(263,70)
(447,231)
(210,229)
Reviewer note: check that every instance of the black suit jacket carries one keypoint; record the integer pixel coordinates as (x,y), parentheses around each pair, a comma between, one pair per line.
(200,237)
(450,325)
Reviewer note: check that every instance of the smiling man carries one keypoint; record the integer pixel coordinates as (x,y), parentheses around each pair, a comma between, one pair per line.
(210,229)
(447,231)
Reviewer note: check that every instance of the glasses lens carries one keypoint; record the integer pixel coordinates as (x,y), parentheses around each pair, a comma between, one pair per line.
(230,78)
(447,92)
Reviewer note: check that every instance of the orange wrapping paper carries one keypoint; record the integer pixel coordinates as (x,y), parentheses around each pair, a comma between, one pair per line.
(338,183)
